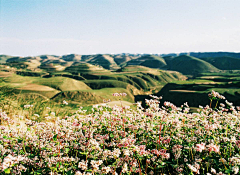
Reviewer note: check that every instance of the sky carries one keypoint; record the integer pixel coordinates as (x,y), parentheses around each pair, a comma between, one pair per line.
(59,27)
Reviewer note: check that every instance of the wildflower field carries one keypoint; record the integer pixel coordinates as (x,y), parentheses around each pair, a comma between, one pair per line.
(161,139)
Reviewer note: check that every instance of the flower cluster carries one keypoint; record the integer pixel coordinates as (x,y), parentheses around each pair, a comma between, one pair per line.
(155,140)
(215,96)
(28,106)
(120,94)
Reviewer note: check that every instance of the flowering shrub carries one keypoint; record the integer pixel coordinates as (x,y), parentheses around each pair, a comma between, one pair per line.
(156,140)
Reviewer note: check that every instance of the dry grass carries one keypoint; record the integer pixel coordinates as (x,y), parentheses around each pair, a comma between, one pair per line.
(5,74)
(36,87)
(117,103)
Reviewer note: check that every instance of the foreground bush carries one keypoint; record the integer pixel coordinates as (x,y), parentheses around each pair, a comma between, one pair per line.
(156,140)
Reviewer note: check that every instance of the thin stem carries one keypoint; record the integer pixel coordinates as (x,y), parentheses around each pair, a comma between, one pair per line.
(210,103)
(216,105)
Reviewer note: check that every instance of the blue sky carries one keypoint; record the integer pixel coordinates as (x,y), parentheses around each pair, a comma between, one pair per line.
(36,27)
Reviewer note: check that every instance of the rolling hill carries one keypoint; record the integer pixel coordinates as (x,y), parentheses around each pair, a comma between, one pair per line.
(150,61)
(63,83)
(106,61)
(224,63)
(190,65)
(84,68)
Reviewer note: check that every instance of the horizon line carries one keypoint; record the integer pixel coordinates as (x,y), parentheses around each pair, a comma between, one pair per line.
(183,52)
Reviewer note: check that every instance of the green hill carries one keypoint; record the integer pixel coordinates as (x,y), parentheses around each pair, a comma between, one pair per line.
(106,61)
(134,68)
(4,58)
(63,83)
(84,68)
(122,59)
(79,97)
(90,97)
(72,57)
(224,63)
(190,65)
(149,61)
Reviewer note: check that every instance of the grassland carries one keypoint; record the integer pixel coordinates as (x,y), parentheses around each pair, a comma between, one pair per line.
(73,76)
(190,65)
(84,83)
(195,90)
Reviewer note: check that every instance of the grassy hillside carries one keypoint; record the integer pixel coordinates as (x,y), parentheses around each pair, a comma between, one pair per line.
(99,84)
(122,59)
(63,83)
(224,63)
(4,58)
(134,68)
(90,97)
(80,97)
(59,77)
(195,91)
(78,68)
(72,57)
(106,61)
(150,61)
(190,65)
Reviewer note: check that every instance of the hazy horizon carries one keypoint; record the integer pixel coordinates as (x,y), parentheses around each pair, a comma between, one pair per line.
(84,27)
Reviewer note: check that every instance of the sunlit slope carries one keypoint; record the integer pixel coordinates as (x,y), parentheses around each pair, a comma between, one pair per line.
(133,68)
(78,68)
(122,59)
(106,61)
(150,79)
(63,83)
(90,97)
(44,86)
(4,58)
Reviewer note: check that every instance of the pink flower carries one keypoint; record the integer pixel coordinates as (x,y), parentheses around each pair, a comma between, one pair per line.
(115,94)
(200,147)
(142,147)
(124,94)
(213,147)
(75,124)
(167,141)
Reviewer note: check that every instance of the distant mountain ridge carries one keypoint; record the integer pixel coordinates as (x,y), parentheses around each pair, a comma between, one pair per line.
(186,63)
(205,54)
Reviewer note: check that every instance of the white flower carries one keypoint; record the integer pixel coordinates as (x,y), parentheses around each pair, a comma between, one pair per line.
(78,173)
(235,169)
(125,168)
(126,152)
(65,103)
(213,171)
(116,152)
(106,170)
(36,115)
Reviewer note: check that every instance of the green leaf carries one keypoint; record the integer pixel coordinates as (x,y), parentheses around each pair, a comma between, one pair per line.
(84,153)
(55,137)
(111,135)
(69,172)
(7,171)
(228,171)
(67,150)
